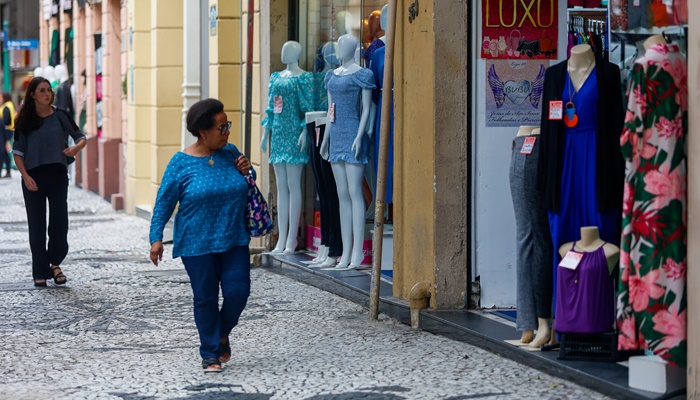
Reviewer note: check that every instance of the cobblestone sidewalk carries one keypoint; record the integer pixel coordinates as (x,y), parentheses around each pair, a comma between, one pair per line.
(123,329)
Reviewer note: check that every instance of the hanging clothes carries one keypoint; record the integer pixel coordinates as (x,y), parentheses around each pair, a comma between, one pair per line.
(651,311)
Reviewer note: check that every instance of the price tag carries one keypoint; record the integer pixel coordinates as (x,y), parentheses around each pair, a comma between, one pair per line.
(556,110)
(528,145)
(278,104)
(318,135)
(332,112)
(571,260)
(636,3)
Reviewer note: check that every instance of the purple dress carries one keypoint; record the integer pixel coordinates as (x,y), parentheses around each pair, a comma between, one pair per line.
(585,295)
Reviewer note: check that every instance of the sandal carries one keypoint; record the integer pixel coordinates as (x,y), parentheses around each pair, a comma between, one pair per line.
(225,352)
(58,278)
(211,365)
(39,282)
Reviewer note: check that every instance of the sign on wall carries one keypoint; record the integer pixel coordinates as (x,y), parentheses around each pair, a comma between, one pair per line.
(212,20)
(514,92)
(519,29)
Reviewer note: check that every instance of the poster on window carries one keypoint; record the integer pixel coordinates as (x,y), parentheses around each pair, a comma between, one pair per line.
(514,92)
(519,29)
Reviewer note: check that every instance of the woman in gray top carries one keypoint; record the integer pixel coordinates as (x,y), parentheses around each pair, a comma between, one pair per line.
(42,155)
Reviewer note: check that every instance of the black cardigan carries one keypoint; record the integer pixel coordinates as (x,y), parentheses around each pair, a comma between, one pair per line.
(610,167)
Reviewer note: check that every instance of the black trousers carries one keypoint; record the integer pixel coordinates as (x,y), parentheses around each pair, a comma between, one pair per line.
(52,180)
(327,193)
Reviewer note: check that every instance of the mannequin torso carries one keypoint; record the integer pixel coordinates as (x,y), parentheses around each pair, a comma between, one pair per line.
(653,40)
(580,64)
(527,130)
(590,241)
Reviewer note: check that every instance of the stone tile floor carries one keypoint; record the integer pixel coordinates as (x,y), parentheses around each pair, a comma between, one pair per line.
(123,329)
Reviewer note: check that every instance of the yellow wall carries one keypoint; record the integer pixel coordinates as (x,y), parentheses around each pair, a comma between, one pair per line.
(138,149)
(414,227)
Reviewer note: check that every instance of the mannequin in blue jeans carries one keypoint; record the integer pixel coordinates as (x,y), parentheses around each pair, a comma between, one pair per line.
(206,179)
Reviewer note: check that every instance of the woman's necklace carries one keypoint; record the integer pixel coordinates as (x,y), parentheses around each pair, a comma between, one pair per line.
(570,117)
(211,159)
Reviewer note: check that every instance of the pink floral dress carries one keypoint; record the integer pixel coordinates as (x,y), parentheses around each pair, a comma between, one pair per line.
(651,310)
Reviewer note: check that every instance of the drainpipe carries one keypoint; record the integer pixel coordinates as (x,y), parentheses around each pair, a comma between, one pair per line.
(191,86)
(419,298)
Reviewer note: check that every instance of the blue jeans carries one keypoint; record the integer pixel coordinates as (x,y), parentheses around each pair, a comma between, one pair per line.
(231,269)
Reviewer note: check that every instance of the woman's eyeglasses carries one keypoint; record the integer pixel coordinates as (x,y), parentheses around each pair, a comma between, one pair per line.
(224,128)
(44,90)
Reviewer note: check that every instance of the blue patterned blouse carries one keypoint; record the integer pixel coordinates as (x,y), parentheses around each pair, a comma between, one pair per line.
(294,97)
(212,202)
(346,94)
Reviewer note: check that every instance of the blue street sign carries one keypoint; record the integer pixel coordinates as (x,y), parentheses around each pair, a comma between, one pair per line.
(22,44)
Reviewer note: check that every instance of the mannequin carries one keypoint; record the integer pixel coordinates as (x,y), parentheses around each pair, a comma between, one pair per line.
(585,294)
(347,86)
(326,56)
(64,97)
(331,245)
(655,238)
(534,249)
(654,40)
(50,75)
(283,126)
(38,71)
(580,169)
(378,42)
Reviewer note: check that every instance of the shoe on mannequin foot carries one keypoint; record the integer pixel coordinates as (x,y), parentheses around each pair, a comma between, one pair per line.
(321,256)
(327,263)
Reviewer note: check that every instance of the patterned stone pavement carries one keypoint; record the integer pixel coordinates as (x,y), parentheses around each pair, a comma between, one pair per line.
(123,329)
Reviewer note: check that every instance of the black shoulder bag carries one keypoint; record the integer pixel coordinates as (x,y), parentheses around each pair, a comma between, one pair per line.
(69,160)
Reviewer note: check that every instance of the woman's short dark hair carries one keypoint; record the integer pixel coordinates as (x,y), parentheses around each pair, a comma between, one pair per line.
(200,117)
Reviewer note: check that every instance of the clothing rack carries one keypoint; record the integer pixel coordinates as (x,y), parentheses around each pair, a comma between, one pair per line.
(590,26)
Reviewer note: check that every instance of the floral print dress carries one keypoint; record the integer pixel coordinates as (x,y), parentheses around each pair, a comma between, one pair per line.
(651,310)
(289,99)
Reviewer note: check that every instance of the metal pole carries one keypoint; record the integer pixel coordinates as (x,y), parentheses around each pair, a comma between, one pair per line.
(6,81)
(387,103)
(249,78)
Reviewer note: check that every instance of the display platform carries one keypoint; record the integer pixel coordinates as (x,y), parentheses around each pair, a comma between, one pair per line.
(488,329)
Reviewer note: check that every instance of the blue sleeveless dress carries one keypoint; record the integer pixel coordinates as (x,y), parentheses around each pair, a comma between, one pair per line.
(579,202)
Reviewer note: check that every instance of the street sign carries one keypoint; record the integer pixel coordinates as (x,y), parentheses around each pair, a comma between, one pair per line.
(22,44)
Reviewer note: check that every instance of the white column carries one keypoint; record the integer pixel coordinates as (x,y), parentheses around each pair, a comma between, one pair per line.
(191,88)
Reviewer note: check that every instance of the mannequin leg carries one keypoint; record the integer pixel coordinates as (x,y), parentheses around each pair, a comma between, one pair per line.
(345,204)
(543,333)
(321,255)
(526,337)
(282,206)
(294,186)
(355,174)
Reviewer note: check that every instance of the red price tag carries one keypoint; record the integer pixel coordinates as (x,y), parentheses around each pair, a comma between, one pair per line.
(528,145)
(571,260)
(556,110)
(278,104)
(332,112)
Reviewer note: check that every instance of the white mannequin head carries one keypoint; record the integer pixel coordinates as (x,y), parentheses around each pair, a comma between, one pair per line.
(38,71)
(291,52)
(347,45)
(49,73)
(61,73)
(343,23)
(384,17)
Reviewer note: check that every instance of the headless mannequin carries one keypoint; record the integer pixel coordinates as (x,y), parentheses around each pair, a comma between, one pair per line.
(373,107)
(349,176)
(580,64)
(543,330)
(38,71)
(654,40)
(60,73)
(50,75)
(288,175)
(590,241)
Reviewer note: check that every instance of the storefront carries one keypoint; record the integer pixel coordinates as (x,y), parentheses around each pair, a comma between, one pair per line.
(461,98)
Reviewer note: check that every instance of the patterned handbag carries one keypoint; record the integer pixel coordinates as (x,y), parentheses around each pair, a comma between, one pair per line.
(258,220)
(257,215)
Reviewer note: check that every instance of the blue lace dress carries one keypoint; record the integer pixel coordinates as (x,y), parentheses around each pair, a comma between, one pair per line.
(346,94)
(285,126)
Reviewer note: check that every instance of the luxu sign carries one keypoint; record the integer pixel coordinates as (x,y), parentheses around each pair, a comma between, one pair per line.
(519,29)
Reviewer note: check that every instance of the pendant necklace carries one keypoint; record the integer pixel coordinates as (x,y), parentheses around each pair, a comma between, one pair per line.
(211,159)
(570,117)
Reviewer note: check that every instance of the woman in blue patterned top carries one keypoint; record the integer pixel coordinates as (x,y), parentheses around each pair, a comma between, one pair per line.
(209,232)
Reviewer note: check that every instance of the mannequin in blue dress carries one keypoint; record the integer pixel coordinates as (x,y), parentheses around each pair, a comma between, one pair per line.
(345,145)
(288,102)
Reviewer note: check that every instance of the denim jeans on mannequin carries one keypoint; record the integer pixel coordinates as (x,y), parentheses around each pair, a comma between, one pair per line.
(231,271)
